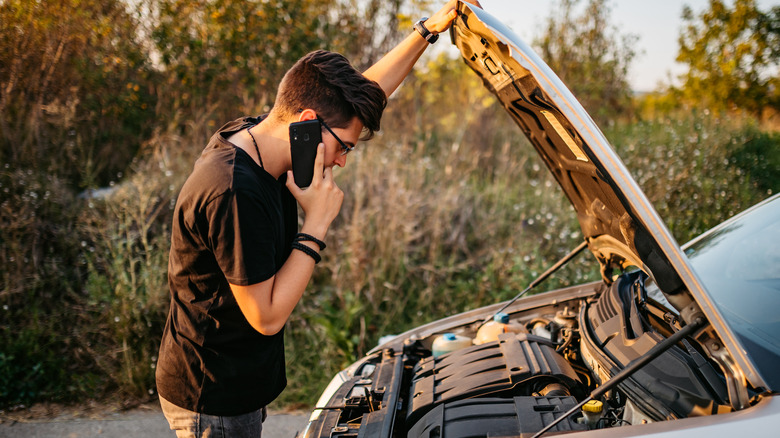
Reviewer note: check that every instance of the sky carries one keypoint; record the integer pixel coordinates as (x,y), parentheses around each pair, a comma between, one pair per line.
(656,22)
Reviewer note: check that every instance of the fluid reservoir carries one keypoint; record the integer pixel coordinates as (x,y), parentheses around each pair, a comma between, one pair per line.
(592,412)
(449,342)
(500,324)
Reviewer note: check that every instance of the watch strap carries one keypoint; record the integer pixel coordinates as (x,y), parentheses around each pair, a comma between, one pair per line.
(429,36)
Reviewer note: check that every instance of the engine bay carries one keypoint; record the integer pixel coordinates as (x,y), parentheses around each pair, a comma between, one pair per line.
(534,365)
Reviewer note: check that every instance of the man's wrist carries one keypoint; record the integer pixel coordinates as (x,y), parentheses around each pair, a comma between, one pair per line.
(305,248)
(313,230)
(303,237)
(429,36)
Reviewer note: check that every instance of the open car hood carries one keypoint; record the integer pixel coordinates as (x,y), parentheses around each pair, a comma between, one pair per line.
(620,225)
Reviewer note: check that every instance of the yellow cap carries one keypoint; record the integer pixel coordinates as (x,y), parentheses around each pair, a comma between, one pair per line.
(594,406)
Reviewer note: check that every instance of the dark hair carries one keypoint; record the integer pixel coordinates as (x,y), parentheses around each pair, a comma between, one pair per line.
(327,83)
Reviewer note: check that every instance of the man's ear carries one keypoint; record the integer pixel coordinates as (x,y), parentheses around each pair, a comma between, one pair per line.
(307,114)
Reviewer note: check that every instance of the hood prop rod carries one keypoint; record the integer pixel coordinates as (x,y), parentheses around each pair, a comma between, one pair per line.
(654,352)
(540,279)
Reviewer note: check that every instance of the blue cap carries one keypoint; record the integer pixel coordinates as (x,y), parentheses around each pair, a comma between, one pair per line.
(501,317)
(449,337)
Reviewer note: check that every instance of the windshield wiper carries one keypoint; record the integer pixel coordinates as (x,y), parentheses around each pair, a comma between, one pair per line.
(630,369)
(540,279)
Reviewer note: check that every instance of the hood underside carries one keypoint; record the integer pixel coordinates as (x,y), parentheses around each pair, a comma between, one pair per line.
(571,145)
(617,220)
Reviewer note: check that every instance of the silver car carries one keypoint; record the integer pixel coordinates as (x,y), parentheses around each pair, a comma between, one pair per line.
(671,341)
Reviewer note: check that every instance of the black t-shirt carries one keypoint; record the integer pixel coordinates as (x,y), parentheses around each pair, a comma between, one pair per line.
(233,223)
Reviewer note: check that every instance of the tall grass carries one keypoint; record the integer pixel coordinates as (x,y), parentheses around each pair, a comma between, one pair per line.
(446,210)
(39,284)
(127,277)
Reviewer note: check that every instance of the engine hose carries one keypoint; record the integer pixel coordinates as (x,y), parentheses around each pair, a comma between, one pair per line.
(554,390)
(582,372)
(568,338)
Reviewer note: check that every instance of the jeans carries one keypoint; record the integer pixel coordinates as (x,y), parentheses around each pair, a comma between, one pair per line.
(188,424)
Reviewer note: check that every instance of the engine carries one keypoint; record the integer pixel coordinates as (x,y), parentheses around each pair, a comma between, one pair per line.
(509,386)
(517,380)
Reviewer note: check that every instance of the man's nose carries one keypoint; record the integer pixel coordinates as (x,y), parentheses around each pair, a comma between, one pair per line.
(340,161)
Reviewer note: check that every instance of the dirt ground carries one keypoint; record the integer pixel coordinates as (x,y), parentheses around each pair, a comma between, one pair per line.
(114,421)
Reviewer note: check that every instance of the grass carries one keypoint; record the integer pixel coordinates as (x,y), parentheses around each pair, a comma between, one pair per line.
(447,210)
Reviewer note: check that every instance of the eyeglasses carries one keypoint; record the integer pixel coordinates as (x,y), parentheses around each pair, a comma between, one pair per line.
(344,148)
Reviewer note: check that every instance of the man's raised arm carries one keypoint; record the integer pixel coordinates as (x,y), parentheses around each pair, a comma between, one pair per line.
(391,70)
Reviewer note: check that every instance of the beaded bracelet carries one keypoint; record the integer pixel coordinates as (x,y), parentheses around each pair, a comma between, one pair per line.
(308,251)
(300,237)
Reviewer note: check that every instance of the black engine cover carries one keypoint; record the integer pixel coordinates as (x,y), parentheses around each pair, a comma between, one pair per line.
(676,384)
(495,417)
(515,365)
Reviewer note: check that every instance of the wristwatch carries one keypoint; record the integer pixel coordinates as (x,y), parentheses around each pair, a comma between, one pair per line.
(424,32)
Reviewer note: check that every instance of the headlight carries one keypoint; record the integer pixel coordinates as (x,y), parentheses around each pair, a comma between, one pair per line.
(339,379)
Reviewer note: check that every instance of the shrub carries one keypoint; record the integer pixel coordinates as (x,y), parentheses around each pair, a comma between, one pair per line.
(683,163)
(77,89)
(758,157)
(40,253)
(126,285)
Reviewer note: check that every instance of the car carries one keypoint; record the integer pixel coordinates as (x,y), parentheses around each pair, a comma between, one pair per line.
(672,340)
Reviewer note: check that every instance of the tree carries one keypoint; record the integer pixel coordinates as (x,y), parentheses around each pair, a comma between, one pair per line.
(732,55)
(590,56)
(74,91)
(229,55)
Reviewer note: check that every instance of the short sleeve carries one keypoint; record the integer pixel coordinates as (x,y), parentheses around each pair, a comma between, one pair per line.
(243,237)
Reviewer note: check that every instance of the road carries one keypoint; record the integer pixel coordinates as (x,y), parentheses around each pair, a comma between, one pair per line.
(146,422)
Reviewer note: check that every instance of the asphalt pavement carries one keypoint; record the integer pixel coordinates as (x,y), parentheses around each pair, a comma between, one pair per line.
(147,422)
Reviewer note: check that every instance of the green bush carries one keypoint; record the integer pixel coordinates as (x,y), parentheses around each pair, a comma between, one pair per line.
(448,209)
(759,159)
(40,255)
(78,89)
(683,162)
(126,285)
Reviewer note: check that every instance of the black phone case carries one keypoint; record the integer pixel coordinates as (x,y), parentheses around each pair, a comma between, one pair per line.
(304,138)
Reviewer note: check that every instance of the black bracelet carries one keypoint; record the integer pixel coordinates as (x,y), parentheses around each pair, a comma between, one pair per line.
(308,251)
(300,237)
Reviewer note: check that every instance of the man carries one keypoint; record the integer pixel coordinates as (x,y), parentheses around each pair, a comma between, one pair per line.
(238,265)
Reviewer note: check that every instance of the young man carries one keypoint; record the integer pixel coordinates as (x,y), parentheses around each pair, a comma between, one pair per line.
(238,264)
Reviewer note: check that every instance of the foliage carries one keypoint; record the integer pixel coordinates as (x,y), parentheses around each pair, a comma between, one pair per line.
(367,29)
(759,160)
(448,208)
(74,88)
(733,56)
(591,57)
(229,55)
(126,287)
(39,285)
(683,162)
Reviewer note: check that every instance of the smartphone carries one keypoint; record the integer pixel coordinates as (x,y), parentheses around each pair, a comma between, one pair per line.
(304,138)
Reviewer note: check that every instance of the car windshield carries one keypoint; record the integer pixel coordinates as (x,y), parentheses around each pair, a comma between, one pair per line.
(739,263)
